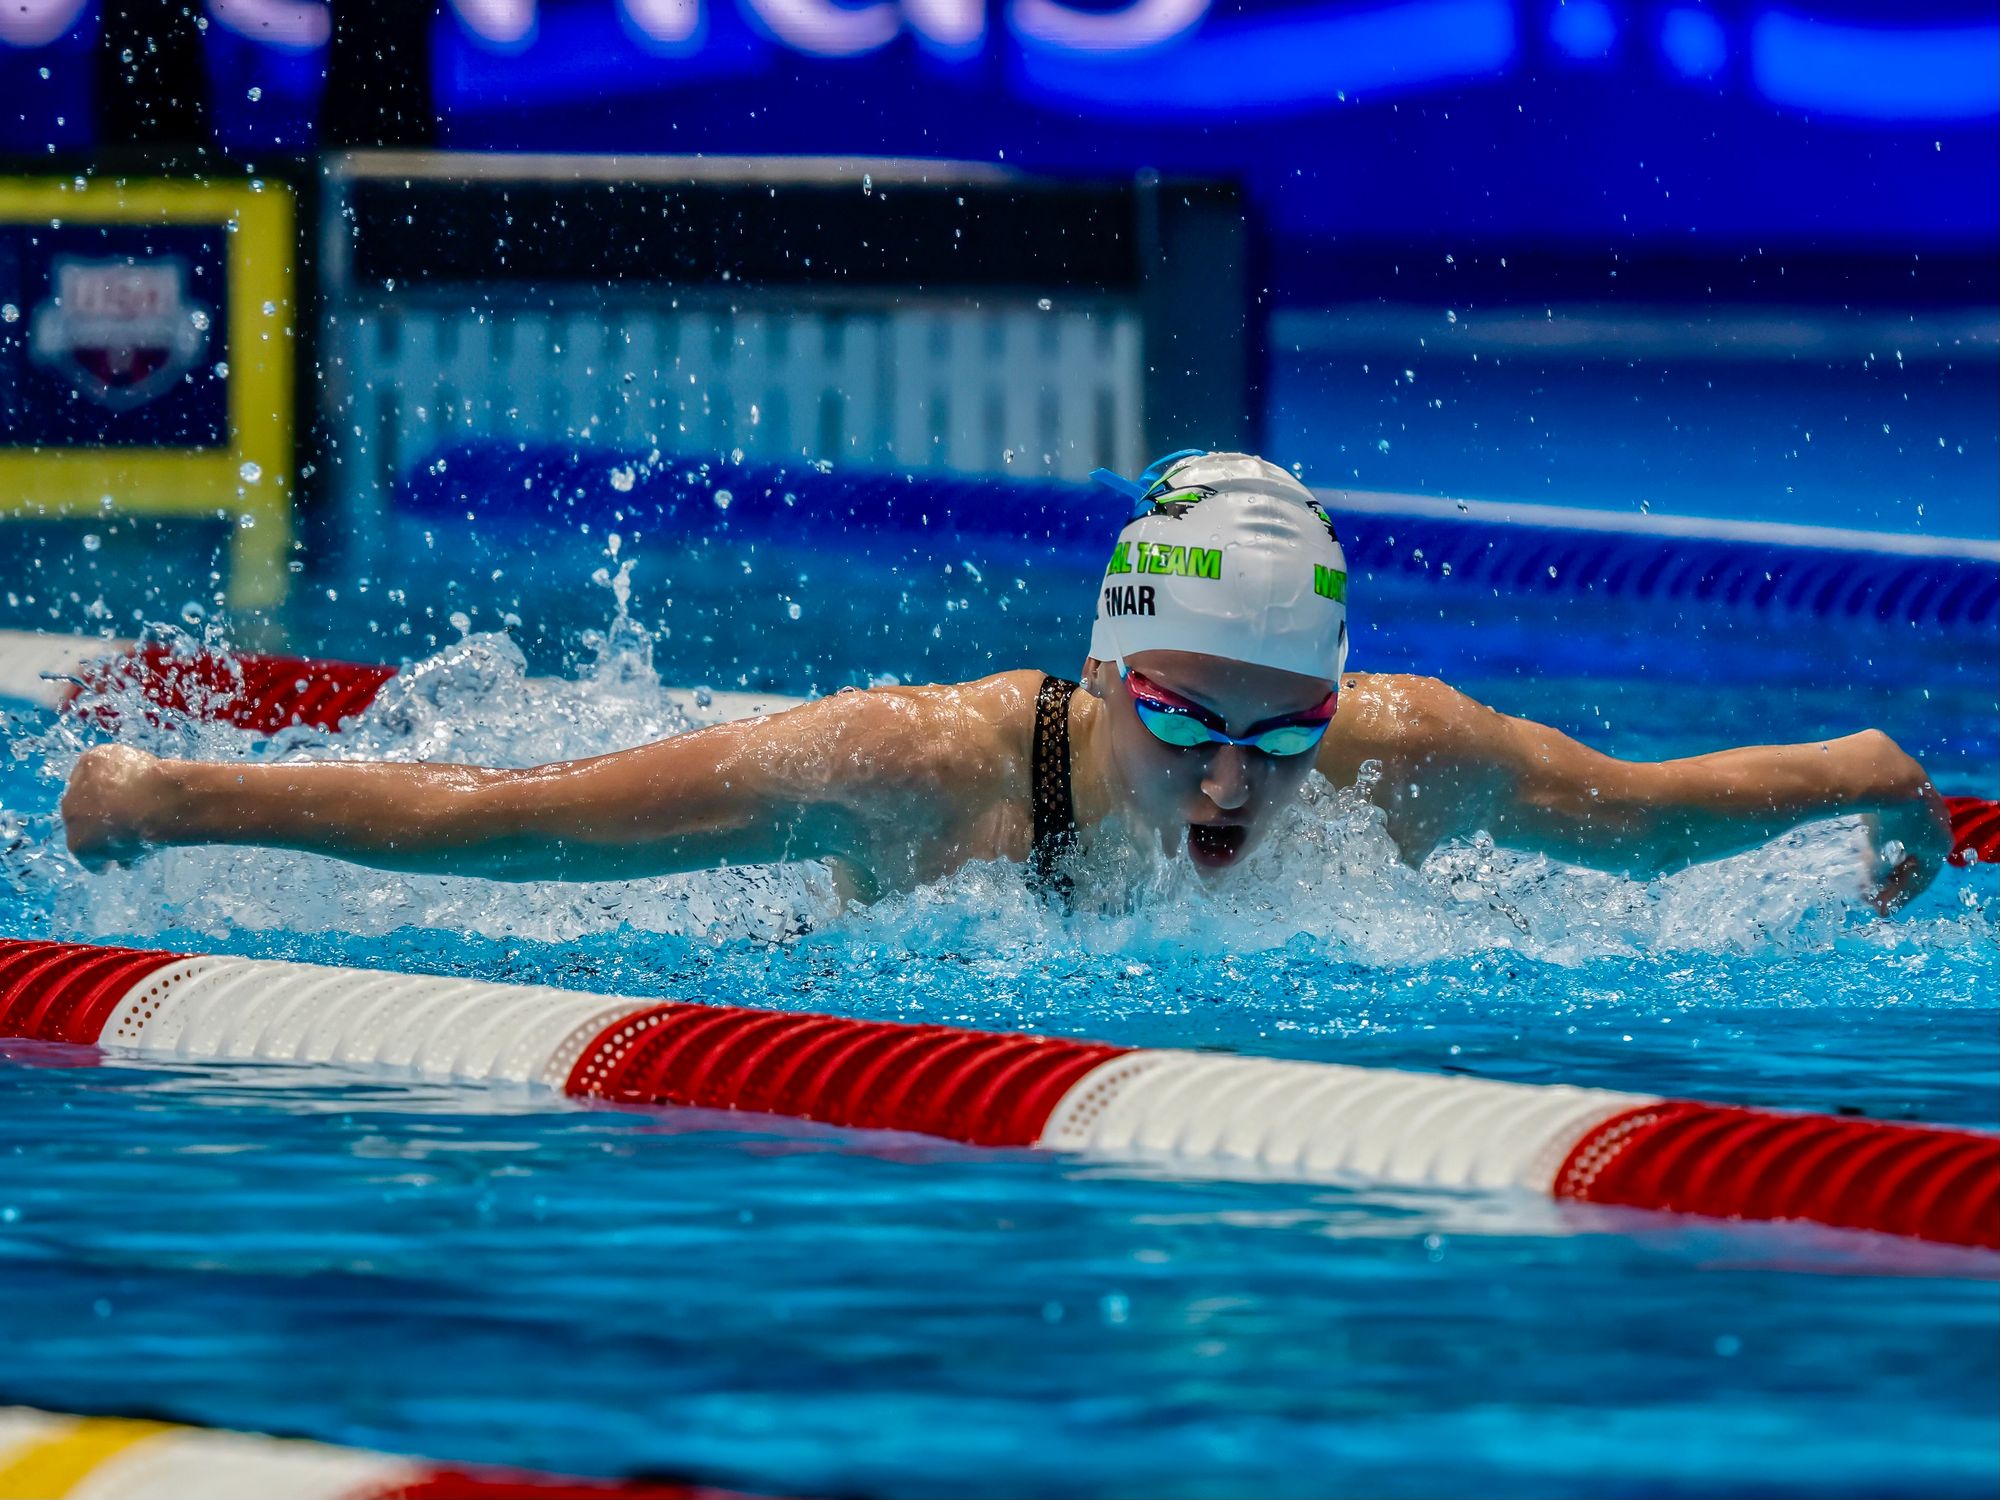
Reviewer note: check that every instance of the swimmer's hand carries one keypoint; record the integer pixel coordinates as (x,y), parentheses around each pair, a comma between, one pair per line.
(105,808)
(1909,834)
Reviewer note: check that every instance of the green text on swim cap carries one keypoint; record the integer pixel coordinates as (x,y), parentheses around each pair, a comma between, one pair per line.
(1161,557)
(1329,583)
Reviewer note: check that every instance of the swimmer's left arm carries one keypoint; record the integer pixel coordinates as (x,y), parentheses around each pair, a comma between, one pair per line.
(1458,766)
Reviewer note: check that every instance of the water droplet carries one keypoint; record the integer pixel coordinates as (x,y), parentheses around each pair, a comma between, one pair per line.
(723,498)
(1046,304)
(793,609)
(92,541)
(1451,317)
(623,479)
(251,471)
(9,313)
(270,309)
(222,369)
(253,93)
(199,317)
(191,613)
(1381,445)
(868,183)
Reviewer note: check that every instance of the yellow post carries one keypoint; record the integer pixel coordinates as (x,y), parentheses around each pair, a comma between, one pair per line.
(249,479)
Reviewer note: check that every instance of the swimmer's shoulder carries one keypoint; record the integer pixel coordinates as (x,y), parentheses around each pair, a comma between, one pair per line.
(1398,716)
(959,734)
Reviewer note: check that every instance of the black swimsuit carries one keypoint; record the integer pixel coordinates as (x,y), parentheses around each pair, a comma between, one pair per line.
(1049,797)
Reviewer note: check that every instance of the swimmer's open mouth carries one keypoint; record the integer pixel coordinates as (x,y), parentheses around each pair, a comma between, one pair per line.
(1214,845)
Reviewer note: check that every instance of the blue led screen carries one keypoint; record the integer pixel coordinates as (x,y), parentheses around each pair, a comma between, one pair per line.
(1835,123)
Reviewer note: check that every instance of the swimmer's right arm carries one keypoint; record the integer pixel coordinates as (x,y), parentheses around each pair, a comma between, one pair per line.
(798,785)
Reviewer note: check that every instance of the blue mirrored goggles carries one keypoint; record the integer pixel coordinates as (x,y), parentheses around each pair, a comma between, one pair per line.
(1172,720)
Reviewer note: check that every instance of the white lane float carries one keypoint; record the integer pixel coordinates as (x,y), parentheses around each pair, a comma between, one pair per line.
(1195,1112)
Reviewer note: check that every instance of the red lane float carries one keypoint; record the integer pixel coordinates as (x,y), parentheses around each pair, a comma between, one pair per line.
(49,1456)
(248,690)
(266,693)
(255,691)
(1202,1112)
(1975,830)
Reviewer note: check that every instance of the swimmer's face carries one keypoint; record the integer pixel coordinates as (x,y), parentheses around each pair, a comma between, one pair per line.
(1221,799)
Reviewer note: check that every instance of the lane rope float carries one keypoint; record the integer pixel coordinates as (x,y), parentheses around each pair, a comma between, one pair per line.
(1975,830)
(1203,1113)
(51,1456)
(255,691)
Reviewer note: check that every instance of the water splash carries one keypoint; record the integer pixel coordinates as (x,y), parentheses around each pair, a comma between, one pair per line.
(1327,887)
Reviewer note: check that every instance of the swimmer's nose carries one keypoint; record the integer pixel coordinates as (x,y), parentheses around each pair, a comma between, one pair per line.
(1227,782)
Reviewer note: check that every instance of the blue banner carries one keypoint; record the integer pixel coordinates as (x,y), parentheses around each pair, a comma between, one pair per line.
(113,335)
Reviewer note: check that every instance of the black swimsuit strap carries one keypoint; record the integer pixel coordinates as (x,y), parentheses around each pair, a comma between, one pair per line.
(1048,787)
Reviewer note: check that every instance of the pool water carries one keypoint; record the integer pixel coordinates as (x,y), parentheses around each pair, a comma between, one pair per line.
(494,1274)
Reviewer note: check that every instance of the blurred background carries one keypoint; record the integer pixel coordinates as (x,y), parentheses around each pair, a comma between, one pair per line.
(310,293)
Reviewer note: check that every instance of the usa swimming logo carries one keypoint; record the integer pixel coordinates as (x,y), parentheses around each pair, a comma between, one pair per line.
(121,332)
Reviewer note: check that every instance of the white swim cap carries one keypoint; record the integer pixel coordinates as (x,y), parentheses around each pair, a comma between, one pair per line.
(1228,556)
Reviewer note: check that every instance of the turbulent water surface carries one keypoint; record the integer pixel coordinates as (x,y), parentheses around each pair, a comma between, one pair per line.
(492,1274)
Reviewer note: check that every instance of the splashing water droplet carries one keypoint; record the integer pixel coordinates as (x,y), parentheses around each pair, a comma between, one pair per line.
(251,472)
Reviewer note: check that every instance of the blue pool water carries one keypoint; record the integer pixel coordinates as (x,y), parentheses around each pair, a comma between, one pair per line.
(495,1275)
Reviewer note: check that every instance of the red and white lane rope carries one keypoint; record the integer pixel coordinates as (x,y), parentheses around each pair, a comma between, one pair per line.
(252,690)
(48,1456)
(1199,1111)
(265,693)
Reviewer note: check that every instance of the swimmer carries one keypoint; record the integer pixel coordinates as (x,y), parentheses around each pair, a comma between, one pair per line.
(1215,684)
